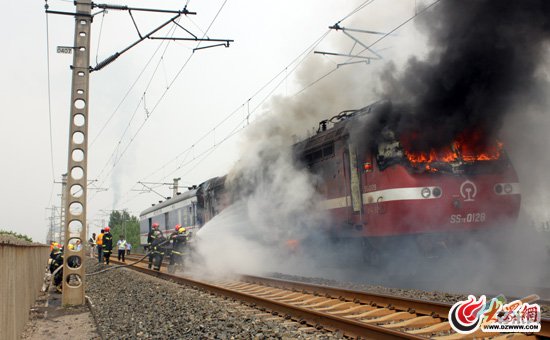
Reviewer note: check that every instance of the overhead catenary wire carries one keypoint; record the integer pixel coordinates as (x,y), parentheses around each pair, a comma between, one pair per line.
(142,100)
(417,13)
(115,163)
(49,103)
(363,5)
(126,95)
(210,150)
(99,38)
(284,70)
(296,61)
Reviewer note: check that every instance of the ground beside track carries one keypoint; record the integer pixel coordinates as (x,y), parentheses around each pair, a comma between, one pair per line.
(49,320)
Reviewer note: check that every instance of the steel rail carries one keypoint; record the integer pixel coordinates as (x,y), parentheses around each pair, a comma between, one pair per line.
(435,309)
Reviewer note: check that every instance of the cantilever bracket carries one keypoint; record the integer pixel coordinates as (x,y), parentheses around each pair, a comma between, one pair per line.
(356,42)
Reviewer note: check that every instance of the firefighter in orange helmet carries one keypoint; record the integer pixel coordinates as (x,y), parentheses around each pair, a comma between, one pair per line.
(107,244)
(178,239)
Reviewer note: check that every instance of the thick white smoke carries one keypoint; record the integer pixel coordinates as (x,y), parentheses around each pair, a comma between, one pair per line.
(278,201)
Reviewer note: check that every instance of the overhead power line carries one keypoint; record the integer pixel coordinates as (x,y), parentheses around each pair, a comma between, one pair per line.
(296,62)
(200,40)
(210,150)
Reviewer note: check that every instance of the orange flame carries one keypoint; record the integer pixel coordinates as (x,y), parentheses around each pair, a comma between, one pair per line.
(470,147)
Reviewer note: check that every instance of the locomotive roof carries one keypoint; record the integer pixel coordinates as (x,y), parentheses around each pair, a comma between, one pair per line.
(336,132)
(178,198)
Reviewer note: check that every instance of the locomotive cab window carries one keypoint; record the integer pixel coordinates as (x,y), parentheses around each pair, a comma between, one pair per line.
(389,153)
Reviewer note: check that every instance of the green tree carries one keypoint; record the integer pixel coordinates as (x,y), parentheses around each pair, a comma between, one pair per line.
(122,223)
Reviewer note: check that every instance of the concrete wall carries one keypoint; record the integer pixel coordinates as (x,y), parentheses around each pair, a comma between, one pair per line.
(22,269)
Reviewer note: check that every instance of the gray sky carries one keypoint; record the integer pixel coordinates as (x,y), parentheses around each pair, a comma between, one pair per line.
(159,111)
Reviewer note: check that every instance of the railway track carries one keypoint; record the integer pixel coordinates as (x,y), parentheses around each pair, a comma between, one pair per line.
(354,313)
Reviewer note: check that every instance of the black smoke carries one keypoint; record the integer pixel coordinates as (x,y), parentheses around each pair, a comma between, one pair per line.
(484,59)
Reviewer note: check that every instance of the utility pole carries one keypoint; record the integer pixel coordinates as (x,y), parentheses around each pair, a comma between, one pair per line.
(76,179)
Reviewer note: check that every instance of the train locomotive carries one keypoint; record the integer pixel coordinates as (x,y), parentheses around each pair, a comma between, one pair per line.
(381,190)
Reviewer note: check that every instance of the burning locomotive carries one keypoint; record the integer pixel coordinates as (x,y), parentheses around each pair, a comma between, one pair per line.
(383,188)
(378,189)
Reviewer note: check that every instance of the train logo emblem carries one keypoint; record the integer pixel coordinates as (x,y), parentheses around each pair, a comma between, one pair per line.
(468,191)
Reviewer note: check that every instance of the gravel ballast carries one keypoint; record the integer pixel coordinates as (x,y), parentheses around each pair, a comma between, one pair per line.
(128,305)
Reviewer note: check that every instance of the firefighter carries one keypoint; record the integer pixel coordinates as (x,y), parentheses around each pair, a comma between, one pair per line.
(178,239)
(54,248)
(73,261)
(107,244)
(55,264)
(154,240)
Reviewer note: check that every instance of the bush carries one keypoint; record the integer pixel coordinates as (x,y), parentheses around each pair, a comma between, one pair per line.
(19,236)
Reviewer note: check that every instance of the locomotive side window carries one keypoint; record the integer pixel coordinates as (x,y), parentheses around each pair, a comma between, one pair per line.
(322,152)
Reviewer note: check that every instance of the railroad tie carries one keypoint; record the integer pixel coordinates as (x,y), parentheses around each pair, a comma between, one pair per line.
(437,328)
(421,321)
(373,313)
(354,310)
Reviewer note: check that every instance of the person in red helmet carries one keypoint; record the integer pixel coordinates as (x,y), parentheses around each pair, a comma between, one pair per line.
(107,244)
(153,234)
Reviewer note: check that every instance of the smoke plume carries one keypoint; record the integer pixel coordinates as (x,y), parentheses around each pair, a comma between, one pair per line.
(484,59)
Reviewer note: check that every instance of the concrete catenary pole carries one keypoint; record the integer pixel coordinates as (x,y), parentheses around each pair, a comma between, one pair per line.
(75,203)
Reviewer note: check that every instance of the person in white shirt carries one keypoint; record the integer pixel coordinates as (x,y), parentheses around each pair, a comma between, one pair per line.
(92,245)
(121,245)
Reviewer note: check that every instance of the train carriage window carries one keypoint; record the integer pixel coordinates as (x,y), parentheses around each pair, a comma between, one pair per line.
(183,215)
(190,216)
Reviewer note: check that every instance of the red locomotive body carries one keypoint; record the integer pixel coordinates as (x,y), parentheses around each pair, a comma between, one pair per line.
(383,190)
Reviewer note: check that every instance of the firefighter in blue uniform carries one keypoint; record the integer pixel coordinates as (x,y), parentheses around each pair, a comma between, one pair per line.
(178,239)
(154,240)
(107,244)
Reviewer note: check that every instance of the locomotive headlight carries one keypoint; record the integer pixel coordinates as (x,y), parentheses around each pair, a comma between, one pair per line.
(507,188)
(436,191)
(425,192)
(498,189)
